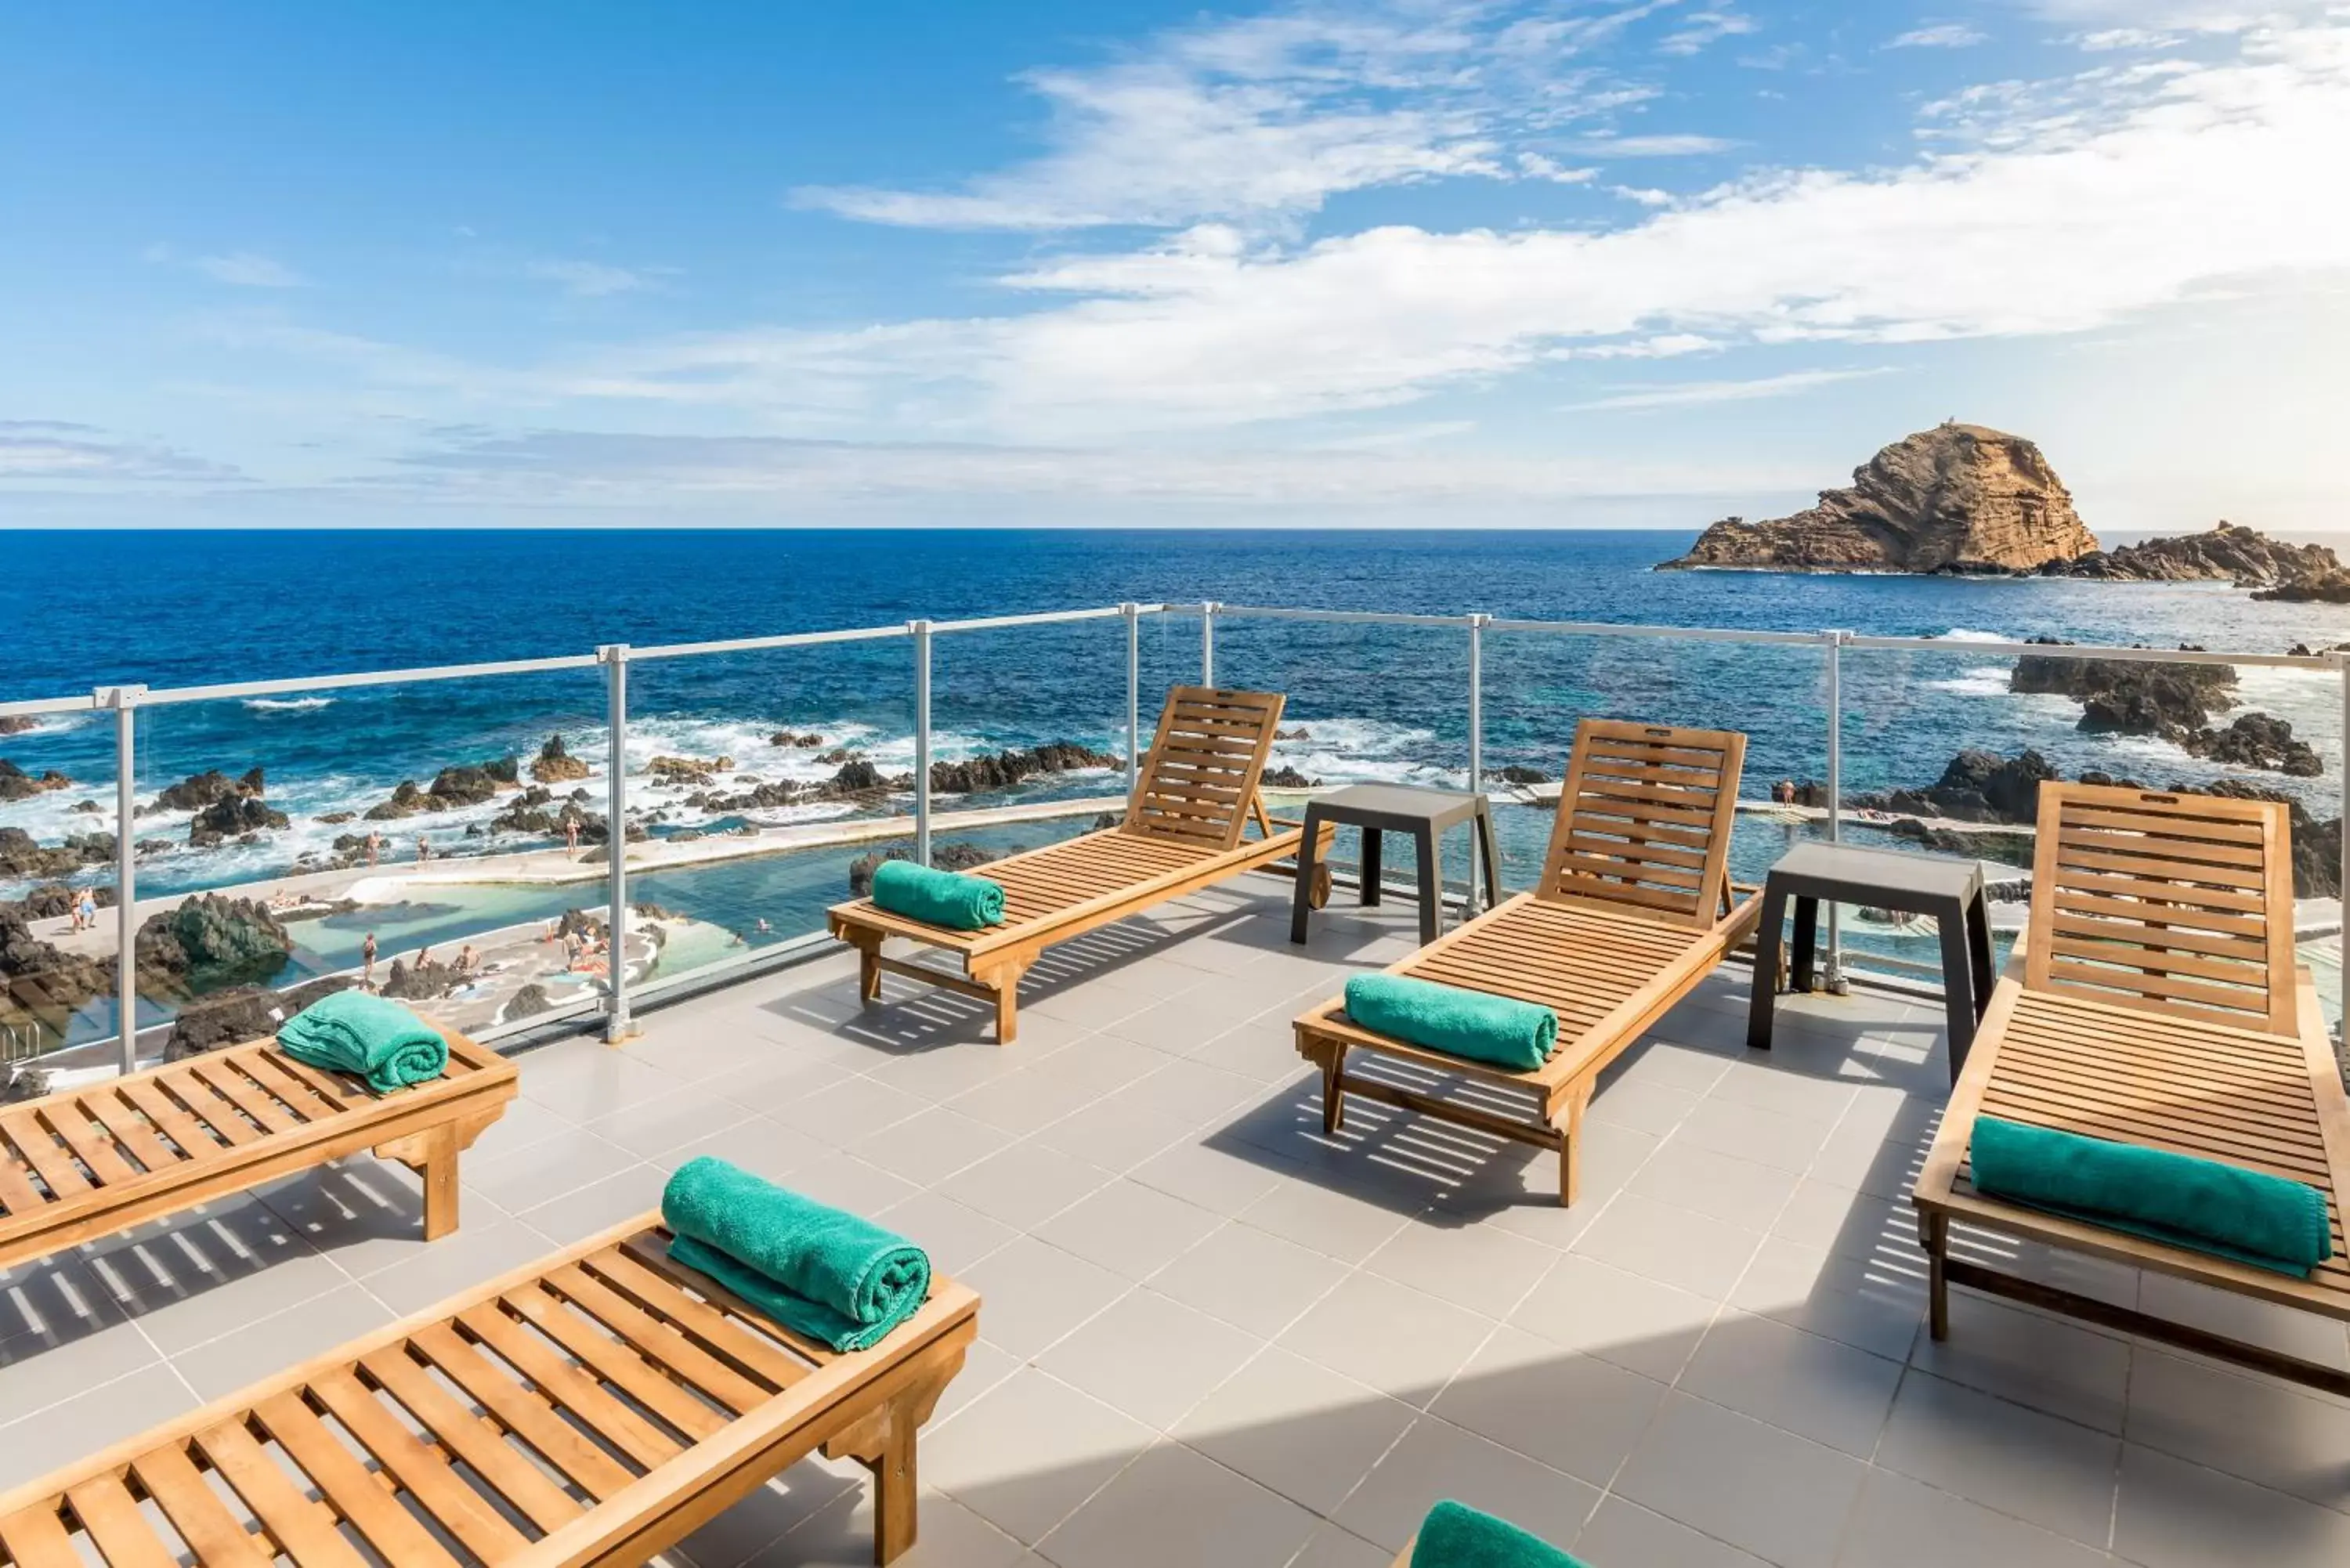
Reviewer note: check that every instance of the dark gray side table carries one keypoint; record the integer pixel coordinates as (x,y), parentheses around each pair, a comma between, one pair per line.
(1949,888)
(1382,809)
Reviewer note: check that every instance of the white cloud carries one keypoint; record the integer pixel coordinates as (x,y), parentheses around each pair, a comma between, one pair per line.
(249,269)
(1646,196)
(1940,35)
(1260,121)
(1700,28)
(51,451)
(589,279)
(1682,394)
(1668,146)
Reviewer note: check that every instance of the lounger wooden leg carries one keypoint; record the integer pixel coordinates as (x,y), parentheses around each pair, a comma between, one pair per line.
(1004,981)
(1334,1088)
(1570,1150)
(868,967)
(1937,1238)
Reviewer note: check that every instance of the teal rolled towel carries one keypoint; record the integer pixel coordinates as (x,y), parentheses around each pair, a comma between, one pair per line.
(1472,1023)
(815,1270)
(370,1036)
(2203,1205)
(1455,1535)
(938,897)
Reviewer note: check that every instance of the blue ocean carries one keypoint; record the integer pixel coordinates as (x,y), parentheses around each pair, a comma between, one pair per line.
(1366,701)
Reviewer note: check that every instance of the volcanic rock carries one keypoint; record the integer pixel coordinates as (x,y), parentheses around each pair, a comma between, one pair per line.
(55,900)
(2229,553)
(198,791)
(422,980)
(810,740)
(1286,777)
(212,937)
(2328,586)
(21,855)
(1977,787)
(688,770)
(529,1002)
(2128,696)
(40,980)
(554,764)
(232,817)
(17,723)
(1519,774)
(2257,741)
(1003,769)
(15,784)
(1954,499)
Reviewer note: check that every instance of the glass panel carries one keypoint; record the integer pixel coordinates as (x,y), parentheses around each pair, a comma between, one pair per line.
(56,865)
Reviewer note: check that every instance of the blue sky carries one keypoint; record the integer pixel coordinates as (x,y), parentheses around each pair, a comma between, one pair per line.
(1581,263)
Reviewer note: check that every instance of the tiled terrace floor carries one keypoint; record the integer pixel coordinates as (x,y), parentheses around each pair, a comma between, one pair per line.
(1210,1337)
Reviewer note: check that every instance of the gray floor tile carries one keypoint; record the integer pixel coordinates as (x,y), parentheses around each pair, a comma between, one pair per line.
(1436,1459)
(1766,1138)
(598,1206)
(580,1079)
(1032,1293)
(850,1111)
(1130,1229)
(96,1417)
(1781,1497)
(2248,1426)
(1487,1270)
(930,1147)
(1903,1521)
(847,1182)
(480,1251)
(2174,1514)
(1672,1246)
(759,1523)
(1027,1184)
(759,1144)
(1329,1221)
(1625,1532)
(1025,1454)
(1250,1278)
(1150,1356)
(2305,1336)
(1876,1304)
(1331,1547)
(1737,1192)
(954,1236)
(1174,1509)
(1391,1337)
(1297,1427)
(1215,1178)
(658,1124)
(1800,1383)
(264,1345)
(840,1535)
(36,1376)
(2031,1358)
(1584,1304)
(1574,1412)
(546,1170)
(2052,1472)
(1119,1132)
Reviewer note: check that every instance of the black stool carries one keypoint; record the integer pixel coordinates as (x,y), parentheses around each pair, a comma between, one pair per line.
(1949,890)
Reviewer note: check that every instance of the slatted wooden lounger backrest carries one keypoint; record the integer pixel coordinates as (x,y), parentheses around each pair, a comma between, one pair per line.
(1645,817)
(1200,777)
(2178,904)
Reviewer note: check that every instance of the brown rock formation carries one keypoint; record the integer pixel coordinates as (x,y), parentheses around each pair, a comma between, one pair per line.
(2229,553)
(1954,499)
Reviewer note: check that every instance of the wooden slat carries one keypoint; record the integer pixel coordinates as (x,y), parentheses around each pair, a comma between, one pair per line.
(306,1529)
(48,1159)
(34,1539)
(571,1386)
(527,1414)
(88,1142)
(354,1491)
(110,1515)
(129,1129)
(218,1537)
(659,1342)
(225,1080)
(481,1445)
(418,1468)
(616,1361)
(206,1104)
(18,1195)
(162,1111)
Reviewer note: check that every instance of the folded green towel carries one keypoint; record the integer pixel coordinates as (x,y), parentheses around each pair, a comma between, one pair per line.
(938,897)
(2204,1205)
(1446,1018)
(377,1039)
(816,1271)
(1455,1535)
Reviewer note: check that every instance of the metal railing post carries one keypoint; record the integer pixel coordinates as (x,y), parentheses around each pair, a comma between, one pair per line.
(1133,613)
(921,630)
(616,839)
(1207,642)
(1477,739)
(124,701)
(1833,968)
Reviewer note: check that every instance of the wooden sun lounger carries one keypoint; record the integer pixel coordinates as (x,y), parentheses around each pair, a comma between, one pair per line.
(2155,1002)
(1184,828)
(1635,907)
(594,1407)
(92,1161)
